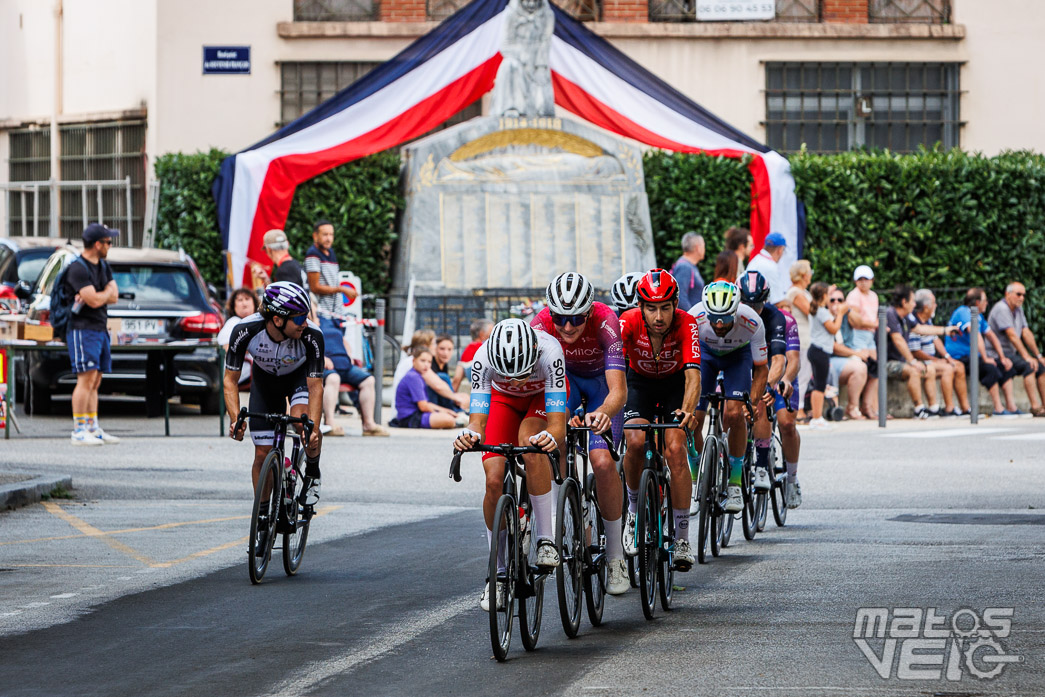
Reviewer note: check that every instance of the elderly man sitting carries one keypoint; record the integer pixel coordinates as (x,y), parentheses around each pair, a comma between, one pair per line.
(1018,345)
(930,349)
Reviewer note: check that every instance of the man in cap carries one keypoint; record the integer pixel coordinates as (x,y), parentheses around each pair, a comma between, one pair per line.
(90,283)
(284,266)
(863,318)
(767,263)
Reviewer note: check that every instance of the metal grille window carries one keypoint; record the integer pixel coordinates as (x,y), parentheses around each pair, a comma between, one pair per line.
(30,161)
(334,10)
(909,11)
(834,107)
(584,10)
(686,10)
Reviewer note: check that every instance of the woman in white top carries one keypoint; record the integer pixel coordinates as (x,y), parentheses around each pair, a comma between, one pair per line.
(242,303)
(823,324)
(798,298)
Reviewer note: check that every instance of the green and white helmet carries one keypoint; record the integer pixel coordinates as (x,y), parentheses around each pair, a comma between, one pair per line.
(721,301)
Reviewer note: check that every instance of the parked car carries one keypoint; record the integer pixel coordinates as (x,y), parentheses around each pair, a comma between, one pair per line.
(21,261)
(162,297)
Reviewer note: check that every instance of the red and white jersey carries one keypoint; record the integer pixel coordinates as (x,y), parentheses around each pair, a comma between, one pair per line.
(679,350)
(548,376)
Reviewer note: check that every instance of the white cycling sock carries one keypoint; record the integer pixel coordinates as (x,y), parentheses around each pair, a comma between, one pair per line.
(633,500)
(542,515)
(792,471)
(502,540)
(681,523)
(614,543)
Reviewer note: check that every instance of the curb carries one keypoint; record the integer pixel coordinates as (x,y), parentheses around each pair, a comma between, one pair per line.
(30,491)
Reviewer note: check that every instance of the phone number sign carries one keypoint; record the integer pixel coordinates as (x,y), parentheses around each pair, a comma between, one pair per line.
(735,10)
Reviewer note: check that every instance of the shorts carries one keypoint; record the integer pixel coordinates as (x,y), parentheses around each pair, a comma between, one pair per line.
(269,394)
(821,362)
(990,375)
(894,369)
(735,367)
(778,400)
(838,364)
(1022,368)
(592,391)
(418,419)
(507,412)
(649,398)
(89,350)
(353,375)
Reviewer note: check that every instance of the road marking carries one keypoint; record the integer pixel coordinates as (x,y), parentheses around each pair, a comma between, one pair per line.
(73,566)
(197,555)
(947,432)
(35,605)
(1023,436)
(91,531)
(10,614)
(63,596)
(401,632)
(164,526)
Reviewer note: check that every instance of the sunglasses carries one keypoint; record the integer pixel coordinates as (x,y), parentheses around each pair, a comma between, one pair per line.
(298,319)
(575,320)
(1019,295)
(836,300)
(108,242)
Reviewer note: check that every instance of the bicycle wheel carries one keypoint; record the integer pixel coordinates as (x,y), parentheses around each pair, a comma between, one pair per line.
(264,515)
(595,568)
(569,539)
(504,543)
(705,522)
(778,492)
(299,517)
(720,538)
(748,512)
(633,567)
(666,548)
(530,589)
(647,539)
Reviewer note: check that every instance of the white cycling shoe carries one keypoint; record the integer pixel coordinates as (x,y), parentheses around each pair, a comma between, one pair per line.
(694,503)
(684,559)
(794,494)
(484,599)
(312,492)
(617,581)
(547,555)
(628,538)
(762,479)
(735,502)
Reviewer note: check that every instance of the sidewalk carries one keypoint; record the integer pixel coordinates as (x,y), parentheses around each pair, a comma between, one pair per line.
(18,489)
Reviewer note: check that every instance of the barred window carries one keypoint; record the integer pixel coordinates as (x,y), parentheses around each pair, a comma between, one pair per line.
(834,107)
(584,10)
(909,11)
(334,10)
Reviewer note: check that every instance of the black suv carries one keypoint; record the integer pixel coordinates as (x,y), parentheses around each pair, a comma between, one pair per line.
(162,297)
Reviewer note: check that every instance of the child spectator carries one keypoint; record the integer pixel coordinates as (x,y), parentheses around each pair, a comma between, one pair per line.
(413,410)
(444,351)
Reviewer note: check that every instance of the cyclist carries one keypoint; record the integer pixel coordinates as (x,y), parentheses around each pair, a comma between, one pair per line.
(589,334)
(622,292)
(754,291)
(660,342)
(519,389)
(732,341)
(287,350)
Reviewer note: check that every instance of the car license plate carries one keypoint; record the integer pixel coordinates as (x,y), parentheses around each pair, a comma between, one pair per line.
(143,327)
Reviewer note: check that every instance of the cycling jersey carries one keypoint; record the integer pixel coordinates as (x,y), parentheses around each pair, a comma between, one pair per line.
(680,349)
(275,357)
(775,325)
(597,349)
(747,330)
(791,339)
(549,376)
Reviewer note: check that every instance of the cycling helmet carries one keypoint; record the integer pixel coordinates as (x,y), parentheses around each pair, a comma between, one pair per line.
(285,299)
(657,286)
(753,288)
(512,348)
(570,294)
(623,291)
(721,301)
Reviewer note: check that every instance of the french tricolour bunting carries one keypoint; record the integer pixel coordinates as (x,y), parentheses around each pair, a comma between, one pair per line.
(445,71)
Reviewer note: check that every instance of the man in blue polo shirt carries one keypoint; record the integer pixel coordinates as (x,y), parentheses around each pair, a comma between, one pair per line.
(991,373)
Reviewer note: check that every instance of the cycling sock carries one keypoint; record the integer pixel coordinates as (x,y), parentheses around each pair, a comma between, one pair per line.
(614,544)
(761,452)
(80,422)
(542,515)
(681,523)
(502,540)
(792,471)
(633,500)
(312,466)
(736,470)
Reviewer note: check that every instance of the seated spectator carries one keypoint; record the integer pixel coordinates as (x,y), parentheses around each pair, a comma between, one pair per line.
(994,372)
(726,267)
(931,349)
(797,299)
(242,303)
(848,366)
(424,338)
(1009,323)
(860,333)
(824,323)
(480,332)
(901,363)
(342,370)
(444,351)
(413,410)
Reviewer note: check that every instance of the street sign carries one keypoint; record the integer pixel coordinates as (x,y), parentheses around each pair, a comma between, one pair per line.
(735,10)
(226,60)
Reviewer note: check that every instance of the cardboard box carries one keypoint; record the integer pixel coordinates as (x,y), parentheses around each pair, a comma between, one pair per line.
(12,327)
(38,332)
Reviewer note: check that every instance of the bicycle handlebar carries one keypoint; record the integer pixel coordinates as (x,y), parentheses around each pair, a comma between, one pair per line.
(505,450)
(607,436)
(284,419)
(787,402)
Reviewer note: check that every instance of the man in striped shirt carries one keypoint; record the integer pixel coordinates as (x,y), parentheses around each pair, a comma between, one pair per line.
(322,270)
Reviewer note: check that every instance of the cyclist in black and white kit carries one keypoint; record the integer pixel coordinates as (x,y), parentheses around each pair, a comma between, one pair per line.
(287,350)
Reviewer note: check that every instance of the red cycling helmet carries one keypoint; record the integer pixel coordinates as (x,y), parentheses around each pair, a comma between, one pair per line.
(657,286)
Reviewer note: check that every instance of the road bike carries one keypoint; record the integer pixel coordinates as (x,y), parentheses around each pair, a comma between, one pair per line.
(756,501)
(777,473)
(713,481)
(279,497)
(513,551)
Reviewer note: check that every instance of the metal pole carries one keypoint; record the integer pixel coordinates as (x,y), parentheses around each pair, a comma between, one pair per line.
(36,211)
(883,375)
(128,234)
(221,408)
(83,204)
(974,363)
(99,188)
(23,212)
(379,357)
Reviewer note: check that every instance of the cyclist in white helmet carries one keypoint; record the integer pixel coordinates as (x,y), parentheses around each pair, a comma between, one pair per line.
(624,293)
(519,394)
(732,342)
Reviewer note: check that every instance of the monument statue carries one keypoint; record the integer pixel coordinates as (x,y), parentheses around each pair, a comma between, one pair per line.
(523,86)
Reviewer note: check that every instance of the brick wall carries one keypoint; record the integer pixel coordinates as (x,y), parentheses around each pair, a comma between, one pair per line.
(403,11)
(625,10)
(845,11)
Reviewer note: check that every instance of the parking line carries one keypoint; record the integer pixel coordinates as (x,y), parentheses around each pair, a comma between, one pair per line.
(163,526)
(90,531)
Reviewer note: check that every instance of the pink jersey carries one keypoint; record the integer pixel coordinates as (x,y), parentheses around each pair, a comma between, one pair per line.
(597,350)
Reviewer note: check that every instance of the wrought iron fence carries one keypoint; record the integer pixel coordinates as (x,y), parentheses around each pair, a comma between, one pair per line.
(334,10)
(909,11)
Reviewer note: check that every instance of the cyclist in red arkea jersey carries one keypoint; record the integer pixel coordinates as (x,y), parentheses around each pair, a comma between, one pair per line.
(663,351)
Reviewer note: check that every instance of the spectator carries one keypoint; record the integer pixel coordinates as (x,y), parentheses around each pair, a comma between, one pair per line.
(1009,323)
(726,267)
(341,370)
(284,266)
(901,364)
(767,262)
(863,323)
(686,273)
(740,243)
(324,274)
(798,298)
(824,322)
(414,410)
(930,348)
(994,373)
(242,303)
(444,351)
(848,366)
(480,332)
(424,338)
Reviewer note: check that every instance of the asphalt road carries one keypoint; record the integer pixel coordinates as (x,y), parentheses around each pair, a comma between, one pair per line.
(137,585)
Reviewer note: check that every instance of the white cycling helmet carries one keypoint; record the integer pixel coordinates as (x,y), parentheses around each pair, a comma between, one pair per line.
(623,293)
(570,294)
(721,300)
(512,348)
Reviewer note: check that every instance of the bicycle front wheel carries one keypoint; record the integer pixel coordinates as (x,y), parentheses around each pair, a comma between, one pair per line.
(666,565)
(503,570)
(647,539)
(299,516)
(778,492)
(748,512)
(595,571)
(530,587)
(705,477)
(263,516)
(569,539)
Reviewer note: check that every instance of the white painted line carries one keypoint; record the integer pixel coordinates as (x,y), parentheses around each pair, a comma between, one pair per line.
(34,605)
(400,633)
(947,432)
(1023,436)
(62,596)
(9,614)
(124,578)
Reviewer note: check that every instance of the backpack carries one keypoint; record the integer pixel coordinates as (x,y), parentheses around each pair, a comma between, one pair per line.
(62,302)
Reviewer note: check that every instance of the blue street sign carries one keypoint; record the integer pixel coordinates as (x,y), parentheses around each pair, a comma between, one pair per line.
(226,60)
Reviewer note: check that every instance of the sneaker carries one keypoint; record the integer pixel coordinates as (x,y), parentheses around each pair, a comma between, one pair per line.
(735,502)
(617,582)
(106,438)
(1022,414)
(684,558)
(935,410)
(955,412)
(794,494)
(325,429)
(461,420)
(547,555)
(1006,414)
(484,600)
(920,412)
(629,535)
(762,479)
(85,437)
(311,494)
(820,425)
